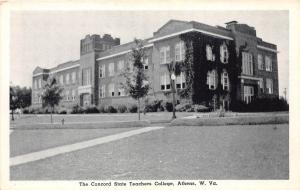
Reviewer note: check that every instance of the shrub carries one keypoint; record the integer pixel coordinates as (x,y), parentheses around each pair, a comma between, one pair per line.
(122,108)
(63,112)
(133,108)
(183,107)
(154,106)
(102,109)
(168,106)
(261,105)
(200,108)
(111,109)
(26,111)
(77,109)
(91,109)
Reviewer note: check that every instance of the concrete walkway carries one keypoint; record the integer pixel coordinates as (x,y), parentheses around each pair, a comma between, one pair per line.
(22,159)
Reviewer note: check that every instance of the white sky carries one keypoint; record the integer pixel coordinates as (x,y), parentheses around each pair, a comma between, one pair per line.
(47,39)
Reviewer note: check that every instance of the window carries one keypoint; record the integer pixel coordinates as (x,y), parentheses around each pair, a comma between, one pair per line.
(40,83)
(180,81)
(261,85)
(67,95)
(86,76)
(111,89)
(111,69)
(269,86)
(61,79)
(268,62)
(102,71)
(35,84)
(102,91)
(121,91)
(179,51)
(209,54)
(164,53)
(224,53)
(73,95)
(165,81)
(225,81)
(212,80)
(67,78)
(120,66)
(74,77)
(247,65)
(260,62)
(146,63)
(248,94)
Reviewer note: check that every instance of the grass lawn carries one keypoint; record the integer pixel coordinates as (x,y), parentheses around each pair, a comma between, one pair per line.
(85,118)
(27,141)
(220,152)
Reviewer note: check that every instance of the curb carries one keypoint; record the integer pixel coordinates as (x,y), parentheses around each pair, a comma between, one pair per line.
(103,125)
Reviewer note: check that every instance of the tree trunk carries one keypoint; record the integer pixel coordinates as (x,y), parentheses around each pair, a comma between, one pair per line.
(139,109)
(51,114)
(12,115)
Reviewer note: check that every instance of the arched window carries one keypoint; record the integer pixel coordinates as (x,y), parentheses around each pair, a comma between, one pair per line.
(209,53)
(224,55)
(212,79)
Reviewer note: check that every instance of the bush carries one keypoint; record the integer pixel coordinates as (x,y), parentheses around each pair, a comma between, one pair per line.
(182,107)
(133,108)
(154,106)
(77,109)
(102,109)
(200,108)
(111,109)
(261,105)
(122,108)
(168,106)
(63,112)
(91,109)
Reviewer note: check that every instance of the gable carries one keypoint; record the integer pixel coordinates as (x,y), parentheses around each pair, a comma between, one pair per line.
(37,70)
(172,26)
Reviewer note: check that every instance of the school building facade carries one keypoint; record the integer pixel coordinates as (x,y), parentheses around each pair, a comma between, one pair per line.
(227,63)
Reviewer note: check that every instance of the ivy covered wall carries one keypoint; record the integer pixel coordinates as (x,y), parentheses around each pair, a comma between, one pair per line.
(196,67)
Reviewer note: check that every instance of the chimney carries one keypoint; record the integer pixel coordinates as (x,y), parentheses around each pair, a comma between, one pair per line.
(231,25)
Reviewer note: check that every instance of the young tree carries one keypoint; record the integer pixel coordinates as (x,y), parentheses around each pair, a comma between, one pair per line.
(13,101)
(136,84)
(51,95)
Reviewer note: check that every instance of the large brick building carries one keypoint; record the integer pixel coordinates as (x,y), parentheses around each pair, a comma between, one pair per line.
(226,64)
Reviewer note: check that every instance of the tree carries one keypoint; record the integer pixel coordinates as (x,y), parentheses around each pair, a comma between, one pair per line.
(51,95)
(19,98)
(136,83)
(14,101)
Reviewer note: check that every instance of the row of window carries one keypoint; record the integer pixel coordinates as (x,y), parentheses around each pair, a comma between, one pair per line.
(111,91)
(249,90)
(165,56)
(37,83)
(267,65)
(120,67)
(68,78)
(247,63)
(165,83)
(212,80)
(224,54)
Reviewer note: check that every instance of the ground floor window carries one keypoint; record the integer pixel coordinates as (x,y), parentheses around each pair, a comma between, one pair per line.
(180,81)
(165,81)
(102,91)
(111,89)
(248,94)
(269,86)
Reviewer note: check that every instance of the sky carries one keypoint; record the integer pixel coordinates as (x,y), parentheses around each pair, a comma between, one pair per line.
(48,38)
